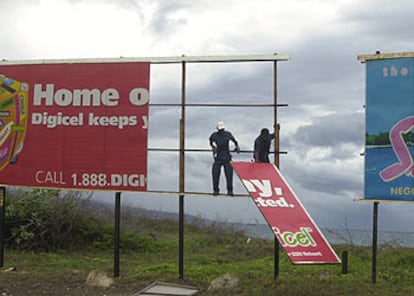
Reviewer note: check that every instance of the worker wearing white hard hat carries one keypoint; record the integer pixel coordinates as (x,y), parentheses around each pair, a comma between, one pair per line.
(219,142)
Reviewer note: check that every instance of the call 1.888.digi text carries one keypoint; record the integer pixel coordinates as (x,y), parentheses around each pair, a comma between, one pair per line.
(90,179)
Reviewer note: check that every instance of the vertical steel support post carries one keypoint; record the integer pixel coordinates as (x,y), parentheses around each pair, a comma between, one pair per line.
(182,166)
(374,243)
(2,222)
(117,232)
(275,119)
(345,262)
(276,162)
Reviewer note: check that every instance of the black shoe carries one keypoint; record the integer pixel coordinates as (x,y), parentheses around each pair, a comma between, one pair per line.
(230,193)
(215,193)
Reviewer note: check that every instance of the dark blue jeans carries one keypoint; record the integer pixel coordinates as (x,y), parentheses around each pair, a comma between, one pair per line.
(228,171)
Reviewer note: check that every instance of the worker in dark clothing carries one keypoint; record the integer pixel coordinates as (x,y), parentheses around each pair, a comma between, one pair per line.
(262,146)
(219,142)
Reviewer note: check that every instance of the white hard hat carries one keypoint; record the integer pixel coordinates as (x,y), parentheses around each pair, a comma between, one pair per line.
(220,125)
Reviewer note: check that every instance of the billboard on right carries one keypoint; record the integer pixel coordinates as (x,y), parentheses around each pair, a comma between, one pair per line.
(389,134)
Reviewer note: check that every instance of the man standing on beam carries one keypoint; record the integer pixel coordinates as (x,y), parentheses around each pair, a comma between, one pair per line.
(219,142)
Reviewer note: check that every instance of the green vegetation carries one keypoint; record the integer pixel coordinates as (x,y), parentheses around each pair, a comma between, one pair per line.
(149,252)
(383,138)
(380,139)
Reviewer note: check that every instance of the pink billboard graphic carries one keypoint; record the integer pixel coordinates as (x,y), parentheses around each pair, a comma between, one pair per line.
(294,228)
(78,125)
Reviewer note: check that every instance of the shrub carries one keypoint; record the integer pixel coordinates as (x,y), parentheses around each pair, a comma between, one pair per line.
(49,219)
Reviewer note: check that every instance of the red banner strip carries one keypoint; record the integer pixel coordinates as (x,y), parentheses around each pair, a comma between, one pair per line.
(294,228)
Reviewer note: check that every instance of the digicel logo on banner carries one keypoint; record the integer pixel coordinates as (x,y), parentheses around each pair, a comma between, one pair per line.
(291,224)
(76,126)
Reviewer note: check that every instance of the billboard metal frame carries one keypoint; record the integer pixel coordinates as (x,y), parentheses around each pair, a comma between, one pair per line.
(219,59)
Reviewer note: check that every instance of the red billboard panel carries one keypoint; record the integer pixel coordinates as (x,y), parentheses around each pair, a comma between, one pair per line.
(74,125)
(285,214)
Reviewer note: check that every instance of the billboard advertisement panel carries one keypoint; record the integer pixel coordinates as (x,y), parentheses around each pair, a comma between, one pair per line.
(295,230)
(389,138)
(80,125)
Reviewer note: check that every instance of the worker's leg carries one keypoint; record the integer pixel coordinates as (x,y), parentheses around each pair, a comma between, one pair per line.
(216,176)
(228,171)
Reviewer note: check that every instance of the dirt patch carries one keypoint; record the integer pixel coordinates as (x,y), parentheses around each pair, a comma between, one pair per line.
(20,283)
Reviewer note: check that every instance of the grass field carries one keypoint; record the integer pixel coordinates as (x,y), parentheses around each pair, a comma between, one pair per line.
(211,251)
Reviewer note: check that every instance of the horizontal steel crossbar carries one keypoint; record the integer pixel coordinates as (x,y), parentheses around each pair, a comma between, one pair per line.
(217,105)
(159,60)
(203,150)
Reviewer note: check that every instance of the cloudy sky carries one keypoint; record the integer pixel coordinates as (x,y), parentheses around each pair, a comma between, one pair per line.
(322,129)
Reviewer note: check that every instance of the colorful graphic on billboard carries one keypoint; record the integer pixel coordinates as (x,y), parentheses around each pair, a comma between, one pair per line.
(389,142)
(13,122)
(74,125)
(285,214)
